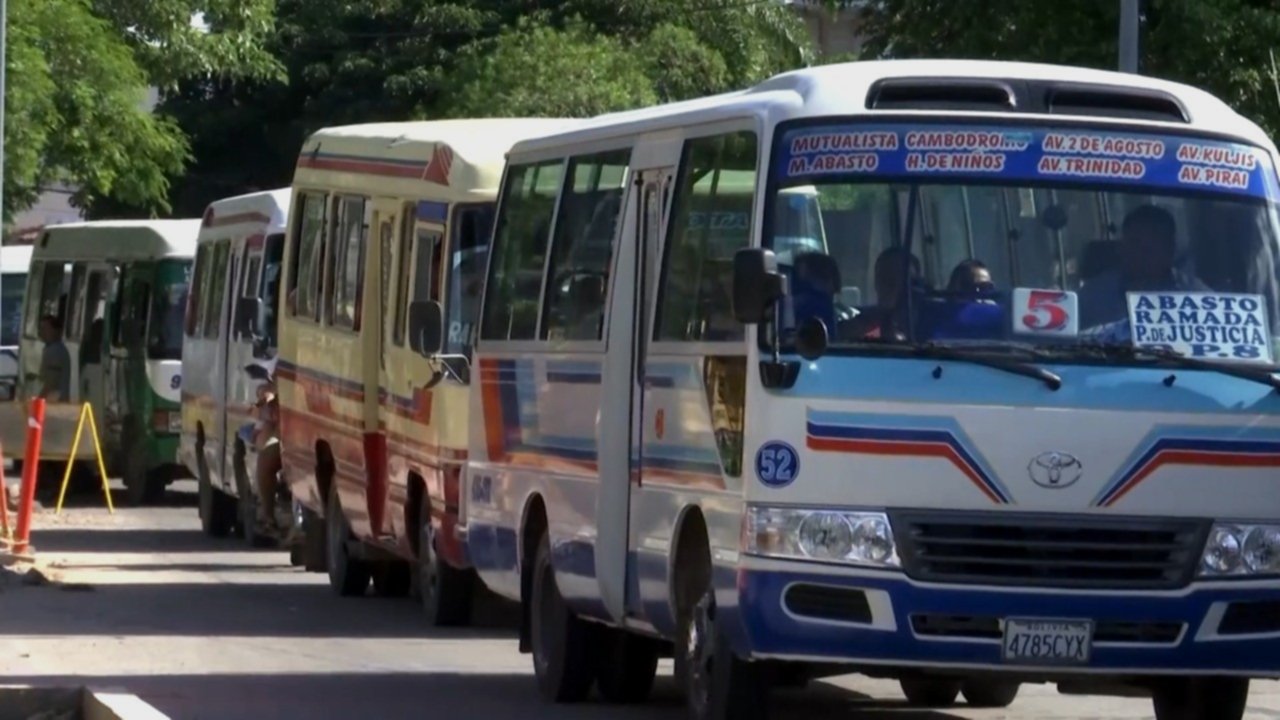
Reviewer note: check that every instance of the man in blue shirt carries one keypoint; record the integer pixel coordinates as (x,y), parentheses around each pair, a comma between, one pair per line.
(1148,246)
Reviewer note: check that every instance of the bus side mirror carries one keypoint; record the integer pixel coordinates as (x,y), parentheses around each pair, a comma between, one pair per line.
(757,285)
(426,327)
(249,316)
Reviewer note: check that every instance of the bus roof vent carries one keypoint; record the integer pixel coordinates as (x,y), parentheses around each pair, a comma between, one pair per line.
(941,94)
(1114,101)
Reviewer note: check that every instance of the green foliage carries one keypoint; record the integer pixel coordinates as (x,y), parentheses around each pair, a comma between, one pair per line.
(77,74)
(1221,45)
(538,70)
(350,61)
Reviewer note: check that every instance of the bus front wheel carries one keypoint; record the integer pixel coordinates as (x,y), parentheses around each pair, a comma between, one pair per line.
(446,592)
(1206,698)
(627,666)
(142,485)
(562,661)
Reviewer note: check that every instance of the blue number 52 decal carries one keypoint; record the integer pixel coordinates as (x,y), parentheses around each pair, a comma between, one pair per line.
(777,464)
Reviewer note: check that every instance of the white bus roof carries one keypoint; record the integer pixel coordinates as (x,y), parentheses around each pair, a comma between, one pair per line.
(260,213)
(842,90)
(15,258)
(118,240)
(449,160)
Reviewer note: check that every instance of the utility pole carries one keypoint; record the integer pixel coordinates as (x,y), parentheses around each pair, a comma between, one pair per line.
(1129,29)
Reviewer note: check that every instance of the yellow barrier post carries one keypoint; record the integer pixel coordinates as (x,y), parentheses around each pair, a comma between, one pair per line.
(86,412)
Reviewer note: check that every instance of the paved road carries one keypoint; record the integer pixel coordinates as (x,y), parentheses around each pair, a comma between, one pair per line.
(205,629)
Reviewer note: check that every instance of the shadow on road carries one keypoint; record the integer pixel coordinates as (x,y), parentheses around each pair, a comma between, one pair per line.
(118,540)
(86,492)
(413,696)
(240,609)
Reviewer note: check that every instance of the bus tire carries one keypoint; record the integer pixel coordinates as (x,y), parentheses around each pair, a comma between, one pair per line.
(562,642)
(927,692)
(718,684)
(315,553)
(1201,698)
(217,511)
(627,666)
(392,579)
(142,485)
(446,592)
(348,576)
(990,693)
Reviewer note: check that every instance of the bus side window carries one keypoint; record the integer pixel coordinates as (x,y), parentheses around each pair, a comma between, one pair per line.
(697,266)
(48,293)
(346,262)
(78,304)
(519,251)
(31,303)
(408,220)
(578,276)
(307,259)
(211,318)
(195,300)
(273,259)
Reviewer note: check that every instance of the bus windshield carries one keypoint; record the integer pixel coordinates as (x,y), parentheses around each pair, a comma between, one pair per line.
(472,226)
(168,308)
(12,288)
(1080,243)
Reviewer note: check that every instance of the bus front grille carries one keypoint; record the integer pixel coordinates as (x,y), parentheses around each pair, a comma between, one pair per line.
(1080,551)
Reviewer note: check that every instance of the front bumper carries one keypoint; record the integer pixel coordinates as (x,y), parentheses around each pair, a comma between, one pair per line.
(890,631)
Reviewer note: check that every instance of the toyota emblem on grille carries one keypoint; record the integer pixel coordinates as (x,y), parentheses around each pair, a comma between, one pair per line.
(1055,470)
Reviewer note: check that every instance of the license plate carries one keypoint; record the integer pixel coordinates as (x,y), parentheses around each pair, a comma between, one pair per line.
(1047,642)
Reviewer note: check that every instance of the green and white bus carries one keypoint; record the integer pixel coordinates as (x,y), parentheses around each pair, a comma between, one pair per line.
(119,292)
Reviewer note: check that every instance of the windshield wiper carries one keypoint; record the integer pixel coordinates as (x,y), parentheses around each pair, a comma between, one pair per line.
(979,355)
(1264,374)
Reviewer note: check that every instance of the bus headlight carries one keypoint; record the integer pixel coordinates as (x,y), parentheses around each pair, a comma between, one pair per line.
(1240,549)
(843,536)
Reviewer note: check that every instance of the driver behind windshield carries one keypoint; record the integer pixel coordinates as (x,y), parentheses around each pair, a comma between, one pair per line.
(1148,245)
(890,299)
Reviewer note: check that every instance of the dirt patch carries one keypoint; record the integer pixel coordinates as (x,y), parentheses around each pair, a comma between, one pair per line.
(31,575)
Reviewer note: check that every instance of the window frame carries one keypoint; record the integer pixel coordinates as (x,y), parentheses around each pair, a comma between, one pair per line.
(524,344)
(451,246)
(292,258)
(103,273)
(405,245)
(39,290)
(73,325)
(337,257)
(704,348)
(599,343)
(211,318)
(195,298)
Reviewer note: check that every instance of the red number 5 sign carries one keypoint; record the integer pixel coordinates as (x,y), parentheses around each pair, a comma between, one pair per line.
(1045,312)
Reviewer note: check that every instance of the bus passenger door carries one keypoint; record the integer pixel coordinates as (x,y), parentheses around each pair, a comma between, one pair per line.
(95,356)
(633,285)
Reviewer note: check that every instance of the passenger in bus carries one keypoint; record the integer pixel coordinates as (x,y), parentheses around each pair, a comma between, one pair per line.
(888,318)
(1148,248)
(969,310)
(971,277)
(55,362)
